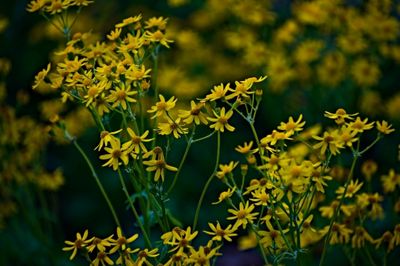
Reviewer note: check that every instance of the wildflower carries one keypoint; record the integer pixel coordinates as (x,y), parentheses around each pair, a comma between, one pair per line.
(328,140)
(125,257)
(121,242)
(157,37)
(369,168)
(340,115)
(71,66)
(328,211)
(390,181)
(272,238)
(80,242)
(360,125)
(182,240)
(115,155)
(122,95)
(81,2)
(114,34)
(243,215)
(352,189)
(260,197)
(129,21)
(39,78)
(310,235)
(396,235)
(384,127)
(35,5)
(202,256)
(136,143)
(94,91)
(347,136)
(100,244)
(221,120)
(360,236)
(194,115)
(159,167)
(162,106)
(225,195)
(218,92)
(273,138)
(226,169)
(386,238)
(143,256)
(291,126)
(135,73)
(242,89)
(154,22)
(318,177)
(340,234)
(57,6)
(219,234)
(246,148)
(172,127)
(365,73)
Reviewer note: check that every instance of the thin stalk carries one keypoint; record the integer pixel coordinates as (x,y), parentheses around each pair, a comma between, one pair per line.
(99,184)
(196,216)
(135,213)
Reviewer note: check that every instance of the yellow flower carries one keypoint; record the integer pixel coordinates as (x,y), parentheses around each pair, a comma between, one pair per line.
(39,78)
(136,143)
(181,240)
(160,23)
(347,136)
(226,169)
(386,238)
(272,238)
(273,138)
(35,5)
(121,242)
(80,242)
(114,34)
(129,21)
(93,92)
(360,125)
(246,148)
(115,155)
(390,181)
(162,106)
(159,167)
(122,95)
(329,140)
(157,37)
(218,92)
(219,234)
(176,128)
(102,258)
(384,127)
(291,126)
(194,114)
(340,115)
(360,236)
(144,254)
(243,215)
(225,195)
(352,189)
(310,235)
(202,256)
(365,73)
(221,120)
(340,234)
(260,197)
(100,244)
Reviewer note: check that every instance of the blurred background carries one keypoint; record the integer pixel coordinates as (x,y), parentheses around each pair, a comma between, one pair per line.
(318,56)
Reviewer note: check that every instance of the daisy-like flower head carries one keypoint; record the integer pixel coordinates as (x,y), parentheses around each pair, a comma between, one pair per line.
(384,127)
(243,215)
(80,242)
(159,167)
(352,189)
(226,169)
(329,140)
(246,148)
(129,21)
(194,115)
(360,126)
(157,37)
(291,126)
(176,128)
(162,106)
(114,34)
(121,241)
(122,95)
(136,144)
(154,22)
(220,234)
(218,92)
(115,155)
(221,120)
(39,78)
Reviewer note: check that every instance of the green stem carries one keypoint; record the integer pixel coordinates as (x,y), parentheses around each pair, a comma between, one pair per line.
(95,176)
(135,213)
(349,177)
(196,216)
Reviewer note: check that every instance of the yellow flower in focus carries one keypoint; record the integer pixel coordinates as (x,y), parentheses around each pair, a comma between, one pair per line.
(122,95)
(35,5)
(182,240)
(114,34)
(162,106)
(226,169)
(246,148)
(102,258)
(159,167)
(291,126)
(221,120)
(129,21)
(220,234)
(218,92)
(243,215)
(121,242)
(143,256)
(154,22)
(157,37)
(136,143)
(176,128)
(100,244)
(194,115)
(80,242)
(384,127)
(202,256)
(115,154)
(360,125)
